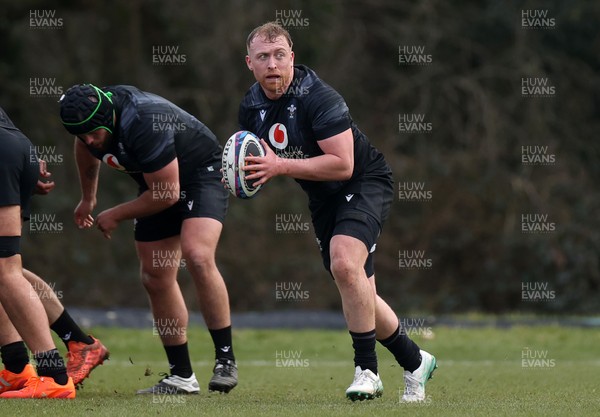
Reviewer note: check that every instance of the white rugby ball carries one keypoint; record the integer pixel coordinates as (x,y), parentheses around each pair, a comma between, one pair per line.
(240,145)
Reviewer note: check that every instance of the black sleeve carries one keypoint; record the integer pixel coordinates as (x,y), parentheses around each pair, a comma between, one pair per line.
(328,111)
(153,148)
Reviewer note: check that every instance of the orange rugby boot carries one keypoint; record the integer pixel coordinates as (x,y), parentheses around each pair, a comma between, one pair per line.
(82,359)
(10,381)
(42,387)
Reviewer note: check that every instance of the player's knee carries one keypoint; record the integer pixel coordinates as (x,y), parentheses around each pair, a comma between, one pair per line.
(155,280)
(347,257)
(343,267)
(200,260)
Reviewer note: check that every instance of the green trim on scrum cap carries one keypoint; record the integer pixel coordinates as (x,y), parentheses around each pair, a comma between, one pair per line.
(79,100)
(98,91)
(99,127)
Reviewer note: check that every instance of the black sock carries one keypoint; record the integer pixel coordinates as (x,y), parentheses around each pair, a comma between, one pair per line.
(364,350)
(222,340)
(179,360)
(52,365)
(406,352)
(14,357)
(66,328)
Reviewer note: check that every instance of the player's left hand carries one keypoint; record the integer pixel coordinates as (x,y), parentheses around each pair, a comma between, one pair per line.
(223,179)
(262,168)
(106,222)
(44,187)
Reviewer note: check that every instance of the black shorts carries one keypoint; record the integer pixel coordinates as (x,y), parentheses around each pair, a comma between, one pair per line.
(359,211)
(201,195)
(19,170)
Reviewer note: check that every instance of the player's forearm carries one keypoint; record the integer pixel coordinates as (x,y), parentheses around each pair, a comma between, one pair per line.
(146,204)
(319,168)
(88,168)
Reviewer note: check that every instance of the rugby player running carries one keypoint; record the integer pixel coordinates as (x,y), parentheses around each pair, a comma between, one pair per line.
(312,138)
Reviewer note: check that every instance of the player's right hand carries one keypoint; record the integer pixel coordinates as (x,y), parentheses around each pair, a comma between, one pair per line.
(83,214)
(44,185)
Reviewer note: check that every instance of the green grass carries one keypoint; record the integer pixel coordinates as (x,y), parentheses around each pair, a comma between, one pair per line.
(480,374)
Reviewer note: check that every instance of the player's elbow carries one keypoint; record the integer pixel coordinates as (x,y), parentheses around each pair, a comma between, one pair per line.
(166,198)
(172,200)
(346,170)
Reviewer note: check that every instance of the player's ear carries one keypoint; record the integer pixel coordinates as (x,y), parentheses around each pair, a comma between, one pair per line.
(249,63)
(292,57)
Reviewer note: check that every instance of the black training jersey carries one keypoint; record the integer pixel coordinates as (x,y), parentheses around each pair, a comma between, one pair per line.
(19,167)
(5,121)
(9,132)
(151,131)
(292,125)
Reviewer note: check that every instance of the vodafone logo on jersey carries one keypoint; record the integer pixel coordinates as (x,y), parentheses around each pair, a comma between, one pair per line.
(112,161)
(278,136)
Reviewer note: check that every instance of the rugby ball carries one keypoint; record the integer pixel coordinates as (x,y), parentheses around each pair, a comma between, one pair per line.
(240,145)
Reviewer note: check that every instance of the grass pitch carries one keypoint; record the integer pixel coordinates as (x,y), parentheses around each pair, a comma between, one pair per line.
(521,371)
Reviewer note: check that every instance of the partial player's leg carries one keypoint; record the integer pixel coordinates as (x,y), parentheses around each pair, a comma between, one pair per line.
(418,364)
(49,300)
(159,263)
(25,311)
(27,314)
(199,238)
(203,213)
(348,257)
(15,357)
(84,351)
